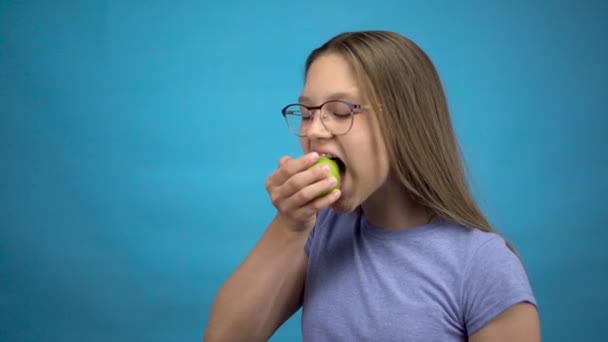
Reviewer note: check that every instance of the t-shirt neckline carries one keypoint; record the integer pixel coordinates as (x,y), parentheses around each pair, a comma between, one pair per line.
(382,233)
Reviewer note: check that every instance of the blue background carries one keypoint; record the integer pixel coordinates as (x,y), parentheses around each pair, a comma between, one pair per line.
(136,137)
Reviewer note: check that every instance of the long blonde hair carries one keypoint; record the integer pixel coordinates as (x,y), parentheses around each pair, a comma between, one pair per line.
(405,91)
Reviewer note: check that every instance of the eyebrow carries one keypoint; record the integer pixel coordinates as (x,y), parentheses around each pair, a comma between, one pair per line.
(332,96)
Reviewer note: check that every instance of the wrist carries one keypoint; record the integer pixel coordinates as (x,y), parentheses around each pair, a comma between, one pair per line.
(291,228)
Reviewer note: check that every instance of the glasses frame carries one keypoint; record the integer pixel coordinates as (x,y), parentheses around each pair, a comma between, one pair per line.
(355,108)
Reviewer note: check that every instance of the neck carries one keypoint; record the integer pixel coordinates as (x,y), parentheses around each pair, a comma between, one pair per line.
(391,207)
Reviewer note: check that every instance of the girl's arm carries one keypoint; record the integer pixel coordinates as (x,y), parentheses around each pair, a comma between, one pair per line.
(264,291)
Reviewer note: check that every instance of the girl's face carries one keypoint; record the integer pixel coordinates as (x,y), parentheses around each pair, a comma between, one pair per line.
(361,150)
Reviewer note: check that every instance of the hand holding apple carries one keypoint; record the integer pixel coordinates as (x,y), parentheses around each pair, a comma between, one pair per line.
(299,190)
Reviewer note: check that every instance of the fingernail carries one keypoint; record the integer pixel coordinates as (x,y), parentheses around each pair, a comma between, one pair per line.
(332,180)
(325,169)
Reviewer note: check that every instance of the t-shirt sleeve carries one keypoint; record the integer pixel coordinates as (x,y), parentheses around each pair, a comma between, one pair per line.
(494,280)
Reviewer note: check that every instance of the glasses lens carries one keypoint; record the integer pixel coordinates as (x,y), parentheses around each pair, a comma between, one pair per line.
(298,118)
(339,117)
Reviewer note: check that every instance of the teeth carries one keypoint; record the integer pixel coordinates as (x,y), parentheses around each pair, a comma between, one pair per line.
(328,155)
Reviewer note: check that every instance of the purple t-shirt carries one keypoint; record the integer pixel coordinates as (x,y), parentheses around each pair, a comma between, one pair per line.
(435,282)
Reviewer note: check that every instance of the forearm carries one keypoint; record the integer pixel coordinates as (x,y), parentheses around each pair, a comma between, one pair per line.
(264,290)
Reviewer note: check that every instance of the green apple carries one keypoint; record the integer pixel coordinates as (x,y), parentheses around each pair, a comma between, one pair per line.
(334,171)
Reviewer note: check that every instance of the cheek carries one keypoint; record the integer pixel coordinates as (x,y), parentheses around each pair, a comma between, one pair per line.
(366,161)
(372,166)
(370,159)
(379,150)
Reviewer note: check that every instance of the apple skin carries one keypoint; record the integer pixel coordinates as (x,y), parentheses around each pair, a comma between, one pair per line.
(334,171)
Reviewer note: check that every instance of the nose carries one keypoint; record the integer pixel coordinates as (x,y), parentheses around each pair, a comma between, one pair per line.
(317,129)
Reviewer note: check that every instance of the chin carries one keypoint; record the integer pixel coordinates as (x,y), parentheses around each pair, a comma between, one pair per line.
(345,205)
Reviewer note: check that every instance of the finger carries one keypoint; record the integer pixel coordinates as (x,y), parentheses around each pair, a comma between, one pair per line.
(293,166)
(281,192)
(309,193)
(273,179)
(300,164)
(283,160)
(318,204)
(303,179)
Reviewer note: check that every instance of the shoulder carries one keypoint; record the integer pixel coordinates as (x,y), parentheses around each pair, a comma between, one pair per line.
(460,244)
(490,254)
(491,276)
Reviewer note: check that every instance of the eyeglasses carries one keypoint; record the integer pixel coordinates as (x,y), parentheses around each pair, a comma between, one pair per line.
(336,116)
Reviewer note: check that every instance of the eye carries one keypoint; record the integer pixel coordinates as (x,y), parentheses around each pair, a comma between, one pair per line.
(339,110)
(305,114)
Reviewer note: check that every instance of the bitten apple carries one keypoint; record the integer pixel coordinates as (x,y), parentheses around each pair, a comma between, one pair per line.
(334,171)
